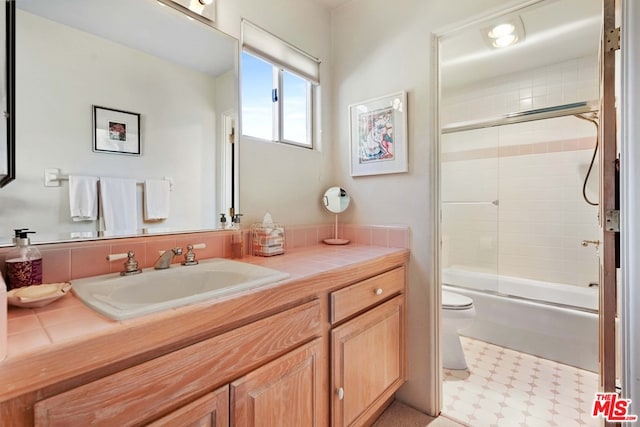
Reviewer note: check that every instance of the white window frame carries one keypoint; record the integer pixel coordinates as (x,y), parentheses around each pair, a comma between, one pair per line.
(279,110)
(283,56)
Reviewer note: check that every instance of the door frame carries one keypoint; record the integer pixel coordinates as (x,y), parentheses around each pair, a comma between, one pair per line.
(608,325)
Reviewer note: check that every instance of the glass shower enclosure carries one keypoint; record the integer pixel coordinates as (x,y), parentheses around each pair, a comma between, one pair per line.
(519,186)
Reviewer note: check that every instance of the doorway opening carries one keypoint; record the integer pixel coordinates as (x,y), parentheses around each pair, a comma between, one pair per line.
(518,239)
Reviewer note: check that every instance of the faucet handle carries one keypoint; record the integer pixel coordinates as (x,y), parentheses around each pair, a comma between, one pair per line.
(130,266)
(190,256)
(116,257)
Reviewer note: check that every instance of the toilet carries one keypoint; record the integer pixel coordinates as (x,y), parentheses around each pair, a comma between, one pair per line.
(457,314)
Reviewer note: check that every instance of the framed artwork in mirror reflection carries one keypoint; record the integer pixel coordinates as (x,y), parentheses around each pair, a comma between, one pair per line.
(116,131)
(379,135)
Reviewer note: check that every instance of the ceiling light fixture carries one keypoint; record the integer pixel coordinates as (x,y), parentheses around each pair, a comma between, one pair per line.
(505,41)
(501,30)
(505,32)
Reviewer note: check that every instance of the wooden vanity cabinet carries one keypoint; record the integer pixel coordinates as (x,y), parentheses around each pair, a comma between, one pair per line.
(173,389)
(330,352)
(368,357)
(282,393)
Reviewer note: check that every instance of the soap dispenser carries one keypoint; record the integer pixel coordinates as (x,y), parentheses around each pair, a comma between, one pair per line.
(236,238)
(24,262)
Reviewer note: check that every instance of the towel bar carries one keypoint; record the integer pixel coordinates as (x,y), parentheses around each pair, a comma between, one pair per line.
(52,178)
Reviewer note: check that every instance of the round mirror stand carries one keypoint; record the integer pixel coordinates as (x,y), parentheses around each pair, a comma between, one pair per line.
(335,240)
(336,200)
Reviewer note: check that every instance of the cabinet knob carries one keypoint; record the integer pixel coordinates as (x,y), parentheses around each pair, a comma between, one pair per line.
(340,393)
(377,291)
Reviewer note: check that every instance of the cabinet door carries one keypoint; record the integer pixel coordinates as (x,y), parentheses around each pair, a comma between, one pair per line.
(287,392)
(211,410)
(368,362)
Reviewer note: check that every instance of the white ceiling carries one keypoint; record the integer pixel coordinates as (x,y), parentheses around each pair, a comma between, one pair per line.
(145,25)
(555,31)
(332,4)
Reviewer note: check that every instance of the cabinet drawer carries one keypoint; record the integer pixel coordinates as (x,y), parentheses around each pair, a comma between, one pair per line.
(152,389)
(360,296)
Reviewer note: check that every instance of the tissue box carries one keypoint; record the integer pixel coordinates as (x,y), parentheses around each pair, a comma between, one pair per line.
(267,240)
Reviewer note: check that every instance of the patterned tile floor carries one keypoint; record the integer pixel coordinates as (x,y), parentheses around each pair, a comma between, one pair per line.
(507,388)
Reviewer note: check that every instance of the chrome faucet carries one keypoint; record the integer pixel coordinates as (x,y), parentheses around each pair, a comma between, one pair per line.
(164,261)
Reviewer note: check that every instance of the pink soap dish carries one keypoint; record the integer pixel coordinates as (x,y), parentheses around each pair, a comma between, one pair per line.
(37,295)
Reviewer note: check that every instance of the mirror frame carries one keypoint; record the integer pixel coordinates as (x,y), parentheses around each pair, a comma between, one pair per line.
(9,108)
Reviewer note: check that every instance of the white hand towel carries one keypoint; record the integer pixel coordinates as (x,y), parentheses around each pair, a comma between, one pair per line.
(156,199)
(119,207)
(83,197)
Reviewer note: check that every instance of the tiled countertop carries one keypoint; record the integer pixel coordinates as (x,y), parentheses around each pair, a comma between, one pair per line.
(67,325)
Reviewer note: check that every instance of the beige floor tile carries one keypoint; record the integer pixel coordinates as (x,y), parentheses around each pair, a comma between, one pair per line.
(522,390)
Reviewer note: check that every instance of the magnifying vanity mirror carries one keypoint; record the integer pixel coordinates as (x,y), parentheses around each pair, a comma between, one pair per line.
(138,56)
(336,200)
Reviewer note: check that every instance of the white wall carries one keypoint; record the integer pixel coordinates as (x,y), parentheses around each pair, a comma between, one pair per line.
(381,47)
(284,180)
(54,126)
(573,80)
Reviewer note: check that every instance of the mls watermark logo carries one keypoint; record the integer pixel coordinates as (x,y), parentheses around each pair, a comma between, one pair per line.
(612,408)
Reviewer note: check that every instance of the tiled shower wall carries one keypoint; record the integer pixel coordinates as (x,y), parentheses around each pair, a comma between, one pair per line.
(562,83)
(512,195)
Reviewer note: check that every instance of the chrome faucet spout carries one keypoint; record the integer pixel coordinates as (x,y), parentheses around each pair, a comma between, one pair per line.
(164,261)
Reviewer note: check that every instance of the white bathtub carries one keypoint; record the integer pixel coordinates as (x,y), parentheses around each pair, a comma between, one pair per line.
(564,330)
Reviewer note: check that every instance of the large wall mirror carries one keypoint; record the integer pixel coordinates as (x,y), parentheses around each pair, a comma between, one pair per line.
(7,99)
(137,56)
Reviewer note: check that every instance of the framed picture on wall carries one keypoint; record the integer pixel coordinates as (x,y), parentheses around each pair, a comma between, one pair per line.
(379,135)
(116,131)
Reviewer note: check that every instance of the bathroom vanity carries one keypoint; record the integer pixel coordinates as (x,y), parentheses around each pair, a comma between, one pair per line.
(325,347)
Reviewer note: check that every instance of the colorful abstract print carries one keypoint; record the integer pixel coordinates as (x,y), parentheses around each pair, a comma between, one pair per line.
(375,132)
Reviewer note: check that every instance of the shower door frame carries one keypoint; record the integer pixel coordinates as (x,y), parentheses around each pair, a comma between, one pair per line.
(608,202)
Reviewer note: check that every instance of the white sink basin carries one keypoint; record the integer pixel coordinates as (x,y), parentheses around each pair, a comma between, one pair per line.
(123,297)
